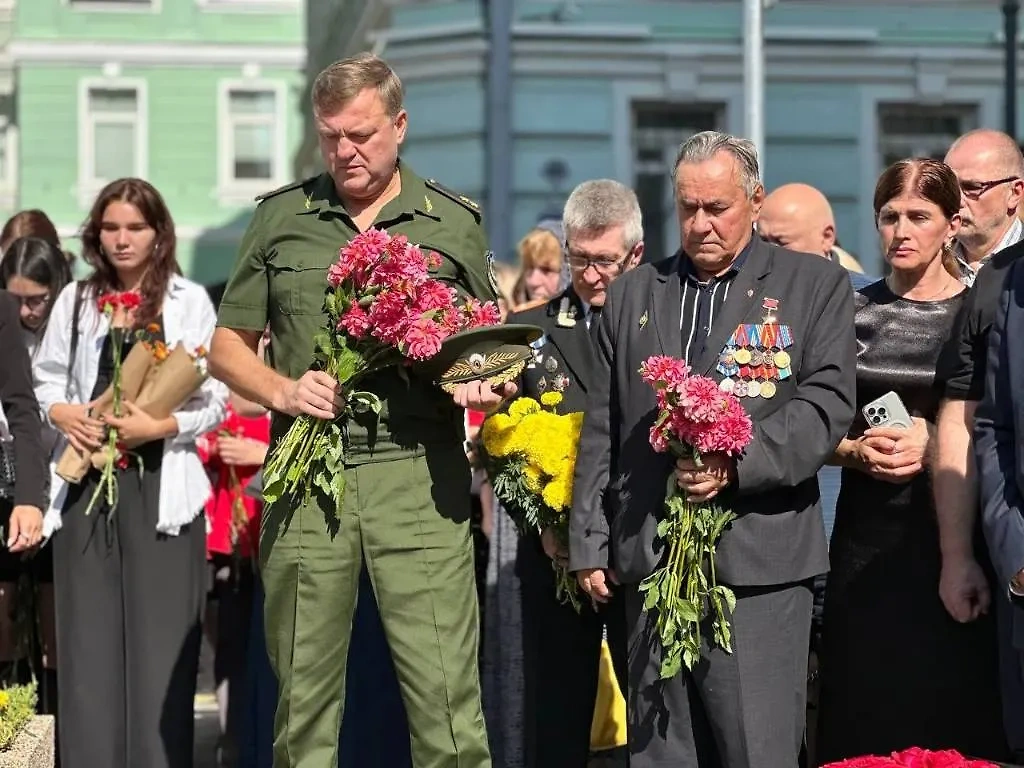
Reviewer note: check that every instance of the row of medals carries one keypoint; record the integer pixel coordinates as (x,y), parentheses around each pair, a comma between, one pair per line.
(772,362)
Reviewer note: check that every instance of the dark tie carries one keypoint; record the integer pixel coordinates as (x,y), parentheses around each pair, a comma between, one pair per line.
(595,321)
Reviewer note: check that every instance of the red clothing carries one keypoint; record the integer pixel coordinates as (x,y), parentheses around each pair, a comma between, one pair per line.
(228,489)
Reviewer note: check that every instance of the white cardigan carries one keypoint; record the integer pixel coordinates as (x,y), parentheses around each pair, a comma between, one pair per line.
(188,317)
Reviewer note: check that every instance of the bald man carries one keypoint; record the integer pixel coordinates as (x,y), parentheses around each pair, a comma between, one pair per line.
(991,172)
(990,169)
(799,217)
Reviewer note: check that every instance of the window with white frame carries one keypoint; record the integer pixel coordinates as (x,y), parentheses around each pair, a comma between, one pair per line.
(113,133)
(920,130)
(250,136)
(658,130)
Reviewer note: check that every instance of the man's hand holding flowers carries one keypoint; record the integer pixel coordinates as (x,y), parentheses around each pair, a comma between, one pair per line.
(703,482)
(315,393)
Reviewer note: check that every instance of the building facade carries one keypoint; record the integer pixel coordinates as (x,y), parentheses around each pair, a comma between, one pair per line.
(200,97)
(610,88)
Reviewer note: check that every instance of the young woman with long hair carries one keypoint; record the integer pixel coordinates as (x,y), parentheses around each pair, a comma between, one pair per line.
(129,581)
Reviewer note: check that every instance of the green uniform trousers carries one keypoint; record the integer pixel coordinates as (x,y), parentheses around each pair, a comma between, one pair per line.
(409,519)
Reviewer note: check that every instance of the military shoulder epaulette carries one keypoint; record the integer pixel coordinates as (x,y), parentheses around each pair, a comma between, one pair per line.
(462,200)
(285,188)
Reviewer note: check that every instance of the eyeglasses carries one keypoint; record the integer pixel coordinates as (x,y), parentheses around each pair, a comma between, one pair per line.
(33,303)
(975,189)
(603,266)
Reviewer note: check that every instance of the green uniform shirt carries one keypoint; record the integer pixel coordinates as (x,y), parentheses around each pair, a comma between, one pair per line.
(280,277)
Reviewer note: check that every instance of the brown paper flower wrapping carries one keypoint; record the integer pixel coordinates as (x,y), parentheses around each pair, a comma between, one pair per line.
(74,465)
(159,389)
(170,384)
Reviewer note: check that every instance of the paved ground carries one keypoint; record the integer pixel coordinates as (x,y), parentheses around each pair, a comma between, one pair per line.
(207,728)
(206,734)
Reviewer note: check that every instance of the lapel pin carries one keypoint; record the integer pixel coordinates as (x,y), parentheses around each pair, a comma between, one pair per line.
(566,314)
(750,292)
(643,320)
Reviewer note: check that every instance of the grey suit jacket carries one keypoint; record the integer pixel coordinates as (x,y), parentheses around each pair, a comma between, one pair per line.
(999,432)
(620,482)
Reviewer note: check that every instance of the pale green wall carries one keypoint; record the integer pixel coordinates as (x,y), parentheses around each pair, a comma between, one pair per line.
(177,21)
(182,114)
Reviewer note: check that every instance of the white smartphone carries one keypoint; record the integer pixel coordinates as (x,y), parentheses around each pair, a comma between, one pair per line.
(887,411)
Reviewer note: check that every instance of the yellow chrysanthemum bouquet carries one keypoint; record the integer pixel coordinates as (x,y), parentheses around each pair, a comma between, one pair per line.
(530,454)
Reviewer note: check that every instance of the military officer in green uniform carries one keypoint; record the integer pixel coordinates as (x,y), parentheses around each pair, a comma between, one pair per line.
(407,504)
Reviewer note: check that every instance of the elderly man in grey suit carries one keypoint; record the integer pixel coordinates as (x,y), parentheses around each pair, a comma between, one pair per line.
(748,706)
(998,448)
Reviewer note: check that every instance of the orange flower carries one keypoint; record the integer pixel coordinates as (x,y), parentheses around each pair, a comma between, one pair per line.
(153,328)
(160,351)
(200,351)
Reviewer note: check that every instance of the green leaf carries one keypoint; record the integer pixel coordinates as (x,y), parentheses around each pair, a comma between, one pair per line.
(323,341)
(663,528)
(322,482)
(668,630)
(687,612)
(690,659)
(272,491)
(671,664)
(365,402)
(728,595)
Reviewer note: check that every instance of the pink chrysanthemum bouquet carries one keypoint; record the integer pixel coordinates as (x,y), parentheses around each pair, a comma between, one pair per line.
(695,418)
(383,309)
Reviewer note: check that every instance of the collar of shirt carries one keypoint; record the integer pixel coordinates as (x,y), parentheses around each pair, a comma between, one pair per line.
(413,199)
(689,269)
(1013,235)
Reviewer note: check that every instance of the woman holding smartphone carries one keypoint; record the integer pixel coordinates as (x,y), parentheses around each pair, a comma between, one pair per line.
(129,581)
(897,671)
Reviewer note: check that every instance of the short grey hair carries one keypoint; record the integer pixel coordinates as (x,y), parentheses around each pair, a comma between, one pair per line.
(598,205)
(705,145)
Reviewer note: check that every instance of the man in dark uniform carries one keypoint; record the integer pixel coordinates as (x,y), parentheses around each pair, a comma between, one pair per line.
(561,648)
(407,506)
(776,329)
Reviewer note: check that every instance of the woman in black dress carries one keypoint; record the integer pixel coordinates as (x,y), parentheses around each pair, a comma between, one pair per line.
(897,670)
(129,581)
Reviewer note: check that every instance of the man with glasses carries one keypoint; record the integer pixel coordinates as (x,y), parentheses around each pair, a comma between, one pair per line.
(561,648)
(988,164)
(990,168)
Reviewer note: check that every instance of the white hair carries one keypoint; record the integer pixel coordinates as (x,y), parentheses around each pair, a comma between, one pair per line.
(596,206)
(703,146)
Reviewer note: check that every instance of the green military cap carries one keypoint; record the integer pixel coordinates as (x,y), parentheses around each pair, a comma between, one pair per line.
(497,353)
